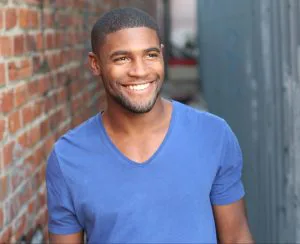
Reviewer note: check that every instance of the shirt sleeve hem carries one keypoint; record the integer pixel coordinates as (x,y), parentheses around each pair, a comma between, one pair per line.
(64,230)
(228,200)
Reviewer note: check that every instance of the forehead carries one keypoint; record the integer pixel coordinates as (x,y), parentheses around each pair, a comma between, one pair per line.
(131,39)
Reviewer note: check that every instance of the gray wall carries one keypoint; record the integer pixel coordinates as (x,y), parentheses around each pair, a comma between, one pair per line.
(249,57)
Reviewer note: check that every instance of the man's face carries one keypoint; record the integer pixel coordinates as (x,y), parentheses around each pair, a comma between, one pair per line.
(132,68)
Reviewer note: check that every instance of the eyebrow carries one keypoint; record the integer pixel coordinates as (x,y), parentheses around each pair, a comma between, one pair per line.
(123,52)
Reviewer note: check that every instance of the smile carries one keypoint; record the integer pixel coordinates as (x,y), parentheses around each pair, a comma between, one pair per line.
(139,87)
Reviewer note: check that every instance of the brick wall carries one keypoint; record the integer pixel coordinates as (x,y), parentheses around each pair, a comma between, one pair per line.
(45,89)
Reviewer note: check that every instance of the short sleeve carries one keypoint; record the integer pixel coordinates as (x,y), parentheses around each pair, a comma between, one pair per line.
(61,214)
(227,186)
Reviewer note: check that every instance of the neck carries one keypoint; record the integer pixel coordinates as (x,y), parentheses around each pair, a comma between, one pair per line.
(120,120)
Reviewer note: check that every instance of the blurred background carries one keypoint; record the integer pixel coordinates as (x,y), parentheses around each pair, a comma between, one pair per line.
(238,59)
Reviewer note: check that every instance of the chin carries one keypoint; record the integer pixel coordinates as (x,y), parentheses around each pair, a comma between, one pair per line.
(138,107)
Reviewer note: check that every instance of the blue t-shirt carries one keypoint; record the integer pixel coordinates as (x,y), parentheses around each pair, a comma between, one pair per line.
(93,187)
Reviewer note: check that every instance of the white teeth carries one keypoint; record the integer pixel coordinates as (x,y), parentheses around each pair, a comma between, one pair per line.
(139,87)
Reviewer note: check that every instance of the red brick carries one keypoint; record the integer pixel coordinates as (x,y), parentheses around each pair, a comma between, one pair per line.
(5,236)
(49,20)
(6,101)
(34,135)
(43,85)
(2,74)
(39,41)
(14,122)
(20,226)
(10,18)
(8,153)
(1,218)
(49,41)
(38,108)
(1,19)
(19,44)
(30,43)
(16,178)
(48,145)
(2,128)
(23,18)
(33,18)
(44,128)
(6,46)
(32,88)
(49,103)
(3,187)
(23,140)
(36,63)
(20,70)
(20,95)
(28,114)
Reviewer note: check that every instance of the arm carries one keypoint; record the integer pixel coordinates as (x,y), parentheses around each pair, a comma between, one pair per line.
(63,224)
(76,238)
(231,223)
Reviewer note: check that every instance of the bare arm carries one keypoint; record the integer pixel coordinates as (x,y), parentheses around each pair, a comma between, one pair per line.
(76,238)
(231,223)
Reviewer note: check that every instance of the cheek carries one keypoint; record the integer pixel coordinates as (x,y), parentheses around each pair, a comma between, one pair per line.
(116,73)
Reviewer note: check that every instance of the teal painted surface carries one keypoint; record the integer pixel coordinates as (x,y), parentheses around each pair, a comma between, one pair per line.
(249,74)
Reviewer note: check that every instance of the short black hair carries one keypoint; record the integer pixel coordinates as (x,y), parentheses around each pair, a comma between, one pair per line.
(118,19)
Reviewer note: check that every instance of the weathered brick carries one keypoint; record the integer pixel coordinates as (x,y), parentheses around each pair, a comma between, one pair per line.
(20,70)
(1,218)
(44,128)
(19,44)
(49,20)
(3,187)
(43,85)
(6,101)
(48,145)
(38,83)
(23,140)
(33,19)
(14,122)
(5,235)
(1,19)
(6,46)
(31,209)
(23,18)
(21,95)
(19,229)
(32,88)
(8,153)
(36,64)
(2,128)
(28,114)
(2,74)
(10,18)
(39,41)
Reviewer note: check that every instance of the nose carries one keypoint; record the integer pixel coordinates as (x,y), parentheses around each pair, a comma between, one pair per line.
(138,68)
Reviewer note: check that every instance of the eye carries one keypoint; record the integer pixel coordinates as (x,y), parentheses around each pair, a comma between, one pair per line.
(152,55)
(121,59)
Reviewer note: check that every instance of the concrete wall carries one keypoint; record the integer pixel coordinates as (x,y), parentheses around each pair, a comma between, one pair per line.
(249,67)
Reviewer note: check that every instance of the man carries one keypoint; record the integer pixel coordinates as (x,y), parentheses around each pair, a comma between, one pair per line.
(144,170)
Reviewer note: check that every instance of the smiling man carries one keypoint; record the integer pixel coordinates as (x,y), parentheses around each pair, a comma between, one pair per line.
(144,170)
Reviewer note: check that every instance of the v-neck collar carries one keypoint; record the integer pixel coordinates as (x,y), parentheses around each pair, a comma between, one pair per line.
(118,153)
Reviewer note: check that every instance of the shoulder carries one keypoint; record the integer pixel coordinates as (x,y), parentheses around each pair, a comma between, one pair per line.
(80,137)
(197,119)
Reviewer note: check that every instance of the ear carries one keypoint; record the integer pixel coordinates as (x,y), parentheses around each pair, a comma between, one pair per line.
(94,64)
